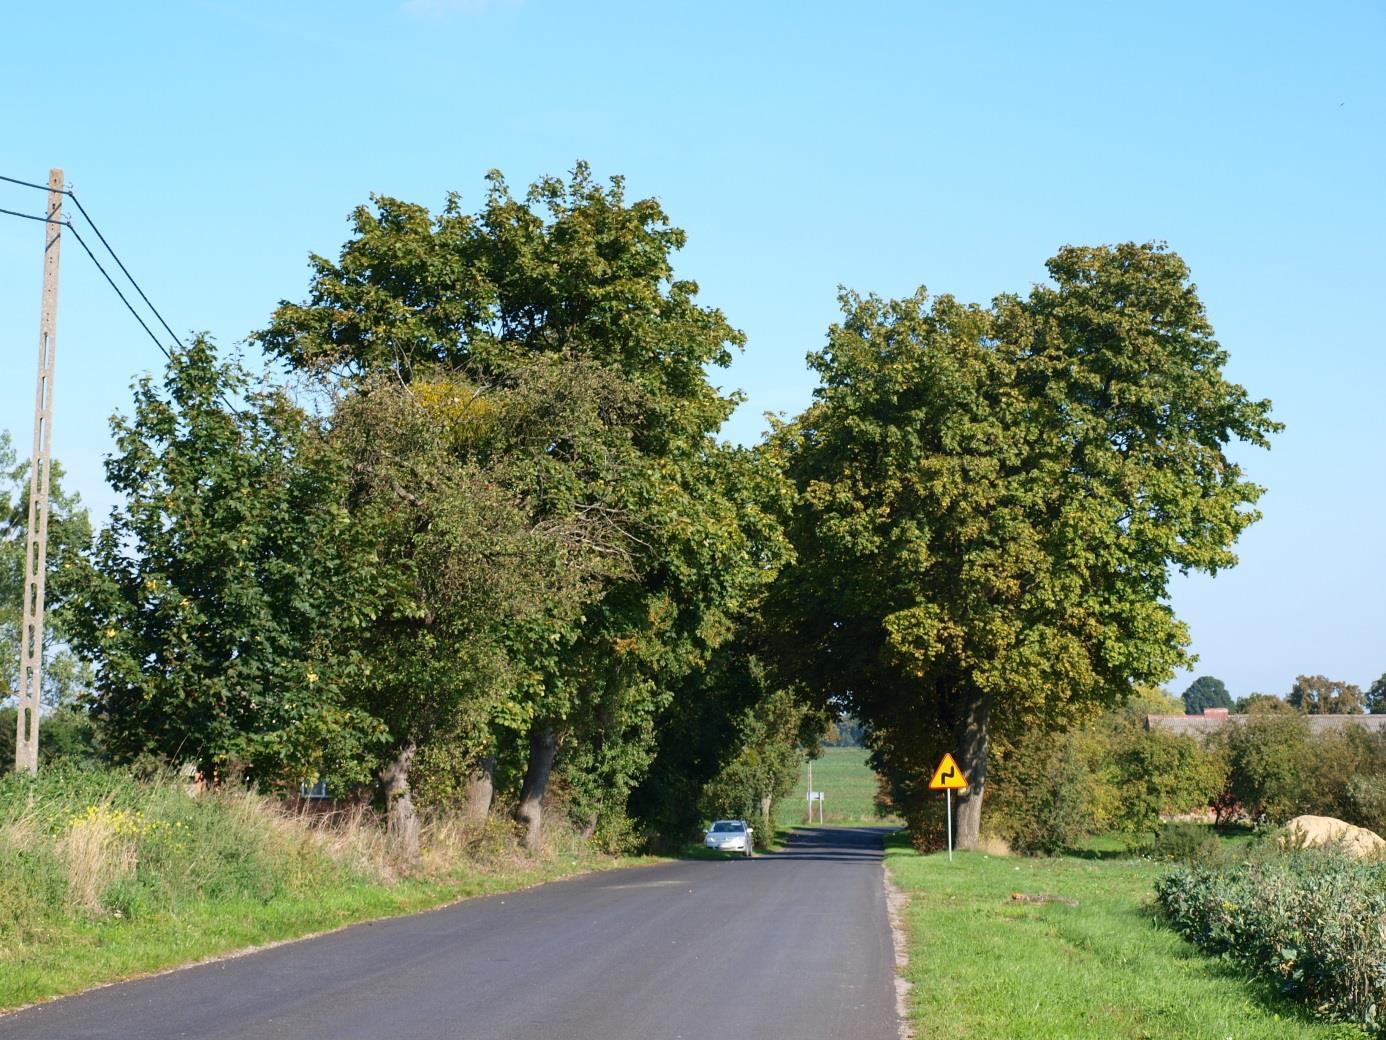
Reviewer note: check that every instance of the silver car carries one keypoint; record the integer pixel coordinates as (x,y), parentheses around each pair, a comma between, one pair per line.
(729,836)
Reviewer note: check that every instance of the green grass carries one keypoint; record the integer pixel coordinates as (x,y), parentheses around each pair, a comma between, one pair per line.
(984,965)
(107,878)
(848,784)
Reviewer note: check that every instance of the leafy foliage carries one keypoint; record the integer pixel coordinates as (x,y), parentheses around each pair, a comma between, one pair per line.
(1376,696)
(221,591)
(1308,920)
(1270,763)
(1206,692)
(68,735)
(538,299)
(1319,695)
(1163,774)
(770,741)
(1043,793)
(990,502)
(1263,704)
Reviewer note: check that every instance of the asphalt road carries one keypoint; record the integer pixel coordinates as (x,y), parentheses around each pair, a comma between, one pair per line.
(794,945)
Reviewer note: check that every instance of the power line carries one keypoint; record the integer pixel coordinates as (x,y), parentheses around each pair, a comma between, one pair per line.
(114,256)
(105,274)
(27,184)
(86,216)
(30,216)
(110,281)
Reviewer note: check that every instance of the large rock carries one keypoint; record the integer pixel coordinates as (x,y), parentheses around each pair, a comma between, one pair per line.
(1312,831)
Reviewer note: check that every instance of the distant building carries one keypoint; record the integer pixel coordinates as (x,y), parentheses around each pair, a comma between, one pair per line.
(1215,718)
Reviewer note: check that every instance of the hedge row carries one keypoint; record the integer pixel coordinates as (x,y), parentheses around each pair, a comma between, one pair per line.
(1313,921)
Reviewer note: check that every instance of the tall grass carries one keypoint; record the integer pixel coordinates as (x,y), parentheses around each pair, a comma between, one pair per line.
(107,875)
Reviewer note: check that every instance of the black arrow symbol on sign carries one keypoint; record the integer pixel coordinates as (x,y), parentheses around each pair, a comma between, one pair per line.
(948,775)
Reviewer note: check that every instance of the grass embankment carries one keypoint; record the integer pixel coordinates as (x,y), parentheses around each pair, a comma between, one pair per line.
(985,964)
(848,784)
(106,878)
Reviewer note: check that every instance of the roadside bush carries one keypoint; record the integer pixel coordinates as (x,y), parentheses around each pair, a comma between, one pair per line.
(1366,802)
(1039,794)
(1311,920)
(1162,774)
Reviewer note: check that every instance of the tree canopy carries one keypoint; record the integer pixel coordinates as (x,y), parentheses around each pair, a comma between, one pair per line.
(1319,695)
(991,500)
(575,281)
(1376,696)
(1206,691)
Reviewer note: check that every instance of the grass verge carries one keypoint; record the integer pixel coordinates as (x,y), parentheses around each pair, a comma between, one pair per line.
(109,879)
(984,964)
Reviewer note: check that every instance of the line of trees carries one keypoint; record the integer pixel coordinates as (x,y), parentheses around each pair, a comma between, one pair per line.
(1114,774)
(477,539)
(1310,695)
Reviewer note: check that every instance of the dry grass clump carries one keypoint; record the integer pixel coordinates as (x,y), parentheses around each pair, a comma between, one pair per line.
(992,844)
(98,848)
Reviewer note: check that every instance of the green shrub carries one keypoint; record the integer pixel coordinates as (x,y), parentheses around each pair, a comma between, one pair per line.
(1162,774)
(1270,762)
(1366,801)
(1193,843)
(1039,795)
(1311,920)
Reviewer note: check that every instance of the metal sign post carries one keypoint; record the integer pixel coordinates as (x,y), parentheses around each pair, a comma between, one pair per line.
(948,778)
(950,824)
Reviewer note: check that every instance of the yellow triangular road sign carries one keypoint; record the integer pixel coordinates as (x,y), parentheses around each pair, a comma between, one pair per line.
(948,777)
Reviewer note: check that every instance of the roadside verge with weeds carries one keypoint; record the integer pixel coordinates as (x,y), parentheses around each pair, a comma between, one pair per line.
(107,877)
(998,948)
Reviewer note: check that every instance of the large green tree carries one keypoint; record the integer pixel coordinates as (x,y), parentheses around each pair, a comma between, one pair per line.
(1376,696)
(225,584)
(992,499)
(481,500)
(1207,691)
(1320,695)
(573,273)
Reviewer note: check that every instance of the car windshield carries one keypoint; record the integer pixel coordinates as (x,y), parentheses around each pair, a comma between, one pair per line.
(723,826)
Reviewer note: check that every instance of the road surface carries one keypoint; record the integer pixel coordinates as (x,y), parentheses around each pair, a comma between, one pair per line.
(794,945)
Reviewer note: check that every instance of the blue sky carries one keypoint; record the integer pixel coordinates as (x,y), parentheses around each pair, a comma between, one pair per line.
(803,146)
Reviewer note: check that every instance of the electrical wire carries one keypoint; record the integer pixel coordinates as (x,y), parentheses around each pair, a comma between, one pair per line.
(104,273)
(27,184)
(111,281)
(173,335)
(30,216)
(114,256)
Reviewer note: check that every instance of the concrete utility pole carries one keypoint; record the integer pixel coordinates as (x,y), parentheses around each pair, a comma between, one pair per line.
(36,534)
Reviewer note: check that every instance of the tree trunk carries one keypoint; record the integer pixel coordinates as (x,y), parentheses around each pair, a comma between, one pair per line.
(480,788)
(972,748)
(403,821)
(543,744)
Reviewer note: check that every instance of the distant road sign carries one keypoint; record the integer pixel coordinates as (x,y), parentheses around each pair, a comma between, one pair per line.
(948,777)
(815,796)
